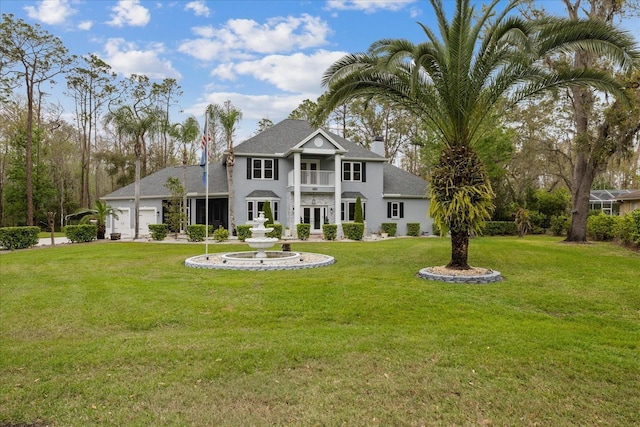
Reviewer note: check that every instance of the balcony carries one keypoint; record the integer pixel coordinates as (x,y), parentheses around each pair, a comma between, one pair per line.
(315,179)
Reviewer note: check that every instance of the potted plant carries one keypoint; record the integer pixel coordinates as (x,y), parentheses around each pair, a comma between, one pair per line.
(99,216)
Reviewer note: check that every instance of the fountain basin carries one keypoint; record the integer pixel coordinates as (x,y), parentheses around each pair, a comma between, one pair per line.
(246,261)
(270,256)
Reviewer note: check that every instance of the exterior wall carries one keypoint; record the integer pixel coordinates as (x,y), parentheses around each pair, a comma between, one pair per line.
(415,210)
(629,206)
(243,187)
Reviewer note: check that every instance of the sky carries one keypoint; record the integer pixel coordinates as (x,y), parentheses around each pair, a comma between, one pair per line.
(265,56)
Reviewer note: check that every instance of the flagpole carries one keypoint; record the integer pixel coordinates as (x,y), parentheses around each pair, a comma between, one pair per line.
(206,197)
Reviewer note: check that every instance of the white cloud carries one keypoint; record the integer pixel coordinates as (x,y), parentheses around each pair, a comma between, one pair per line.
(298,73)
(129,12)
(241,37)
(51,12)
(199,7)
(127,59)
(368,6)
(85,25)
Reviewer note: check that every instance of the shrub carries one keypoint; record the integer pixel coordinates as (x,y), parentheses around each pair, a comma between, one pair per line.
(627,229)
(267,212)
(353,230)
(196,232)
(304,230)
(243,231)
(413,229)
(330,231)
(158,231)
(276,232)
(81,233)
(18,237)
(358,215)
(539,222)
(500,228)
(635,235)
(435,229)
(559,224)
(601,227)
(220,234)
(390,228)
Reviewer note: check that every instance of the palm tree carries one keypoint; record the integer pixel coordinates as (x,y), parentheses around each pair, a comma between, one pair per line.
(453,80)
(99,214)
(227,116)
(186,133)
(133,124)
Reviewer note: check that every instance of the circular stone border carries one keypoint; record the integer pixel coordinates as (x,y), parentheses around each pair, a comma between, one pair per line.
(491,276)
(217,262)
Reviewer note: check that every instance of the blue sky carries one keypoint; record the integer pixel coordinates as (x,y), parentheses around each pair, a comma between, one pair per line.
(265,56)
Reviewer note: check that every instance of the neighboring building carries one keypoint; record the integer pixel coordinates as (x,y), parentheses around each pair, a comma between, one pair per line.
(629,202)
(308,175)
(606,201)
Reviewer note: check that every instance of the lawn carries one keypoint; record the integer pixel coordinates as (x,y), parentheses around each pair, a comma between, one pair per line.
(122,334)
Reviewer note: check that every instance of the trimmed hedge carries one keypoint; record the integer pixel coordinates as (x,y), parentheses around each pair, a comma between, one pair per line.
(158,231)
(353,230)
(81,233)
(391,228)
(196,232)
(413,229)
(559,224)
(18,237)
(500,228)
(304,230)
(276,232)
(243,231)
(330,231)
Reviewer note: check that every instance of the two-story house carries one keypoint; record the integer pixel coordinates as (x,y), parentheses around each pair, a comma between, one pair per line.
(308,175)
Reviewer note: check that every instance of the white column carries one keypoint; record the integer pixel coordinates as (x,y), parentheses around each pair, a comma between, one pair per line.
(296,191)
(337,196)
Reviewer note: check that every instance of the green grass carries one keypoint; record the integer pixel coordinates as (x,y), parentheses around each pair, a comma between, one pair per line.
(122,334)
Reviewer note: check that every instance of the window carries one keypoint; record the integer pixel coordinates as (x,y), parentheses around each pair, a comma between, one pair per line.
(262,169)
(354,171)
(395,210)
(255,206)
(348,210)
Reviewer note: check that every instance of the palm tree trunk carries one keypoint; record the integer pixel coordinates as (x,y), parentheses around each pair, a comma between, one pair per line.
(459,250)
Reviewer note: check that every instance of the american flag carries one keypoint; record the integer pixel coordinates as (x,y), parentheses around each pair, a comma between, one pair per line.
(206,154)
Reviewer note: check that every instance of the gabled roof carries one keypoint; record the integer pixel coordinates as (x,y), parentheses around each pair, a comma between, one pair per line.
(287,134)
(152,186)
(400,183)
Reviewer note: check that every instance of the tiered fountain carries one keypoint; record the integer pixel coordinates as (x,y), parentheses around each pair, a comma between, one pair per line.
(261,259)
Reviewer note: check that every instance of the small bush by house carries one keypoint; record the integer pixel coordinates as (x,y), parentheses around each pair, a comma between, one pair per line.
(81,233)
(158,231)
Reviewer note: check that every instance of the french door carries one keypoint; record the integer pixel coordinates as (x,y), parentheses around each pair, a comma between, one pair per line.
(314,215)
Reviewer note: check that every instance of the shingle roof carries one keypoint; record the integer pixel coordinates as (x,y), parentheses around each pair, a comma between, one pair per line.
(283,136)
(403,183)
(153,185)
(632,195)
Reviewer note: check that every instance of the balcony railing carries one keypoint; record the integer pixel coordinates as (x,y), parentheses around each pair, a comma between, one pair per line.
(314,178)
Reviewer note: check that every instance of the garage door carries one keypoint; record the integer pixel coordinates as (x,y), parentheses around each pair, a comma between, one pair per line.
(147,216)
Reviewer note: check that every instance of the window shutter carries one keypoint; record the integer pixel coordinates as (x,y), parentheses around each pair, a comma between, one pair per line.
(364,172)
(249,165)
(275,169)
(388,209)
(401,209)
